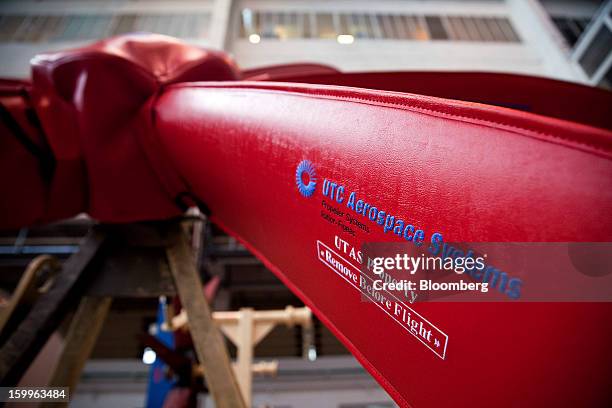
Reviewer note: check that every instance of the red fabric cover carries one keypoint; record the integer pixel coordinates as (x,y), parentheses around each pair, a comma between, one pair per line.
(471,172)
(92,105)
(24,191)
(286,72)
(548,97)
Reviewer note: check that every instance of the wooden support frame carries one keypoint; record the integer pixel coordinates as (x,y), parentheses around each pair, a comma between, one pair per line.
(48,312)
(246,328)
(245,354)
(93,277)
(207,339)
(80,341)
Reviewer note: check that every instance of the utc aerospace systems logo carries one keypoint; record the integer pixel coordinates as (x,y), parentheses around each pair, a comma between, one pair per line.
(305,178)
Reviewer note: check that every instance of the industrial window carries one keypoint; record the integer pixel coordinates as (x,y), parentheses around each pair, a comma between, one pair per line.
(279,25)
(356,25)
(9,26)
(416,27)
(375,26)
(288,28)
(326,27)
(480,29)
(436,29)
(362,26)
(44,28)
(593,50)
(35,28)
(387,26)
(571,28)
(597,52)
(606,80)
(268,25)
(309,24)
(175,25)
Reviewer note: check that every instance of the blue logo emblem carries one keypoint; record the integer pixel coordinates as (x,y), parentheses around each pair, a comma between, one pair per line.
(305,178)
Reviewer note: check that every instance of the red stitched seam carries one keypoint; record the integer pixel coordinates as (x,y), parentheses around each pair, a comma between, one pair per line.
(485,121)
(331,96)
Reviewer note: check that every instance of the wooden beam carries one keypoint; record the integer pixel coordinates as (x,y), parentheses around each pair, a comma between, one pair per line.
(245,352)
(80,341)
(207,339)
(48,312)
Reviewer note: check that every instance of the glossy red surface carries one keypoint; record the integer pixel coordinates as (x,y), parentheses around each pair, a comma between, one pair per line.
(130,133)
(548,97)
(472,173)
(24,190)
